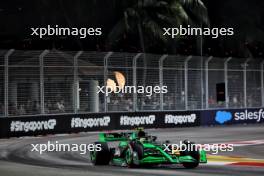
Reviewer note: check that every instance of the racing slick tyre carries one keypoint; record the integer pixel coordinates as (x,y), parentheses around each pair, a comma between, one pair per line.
(102,157)
(193,153)
(134,148)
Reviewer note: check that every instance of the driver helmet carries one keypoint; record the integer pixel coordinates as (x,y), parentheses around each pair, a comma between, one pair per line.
(141,134)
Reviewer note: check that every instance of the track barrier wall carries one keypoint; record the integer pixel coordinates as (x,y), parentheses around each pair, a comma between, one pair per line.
(74,123)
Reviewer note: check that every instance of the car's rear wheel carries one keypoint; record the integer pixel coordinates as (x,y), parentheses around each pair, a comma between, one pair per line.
(102,157)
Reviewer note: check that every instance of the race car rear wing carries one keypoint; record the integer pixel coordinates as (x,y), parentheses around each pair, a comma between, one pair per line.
(107,137)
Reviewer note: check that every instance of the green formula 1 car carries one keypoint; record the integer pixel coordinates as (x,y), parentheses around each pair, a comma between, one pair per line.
(133,149)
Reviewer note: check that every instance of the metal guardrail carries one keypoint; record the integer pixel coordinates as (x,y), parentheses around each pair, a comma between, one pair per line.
(55,82)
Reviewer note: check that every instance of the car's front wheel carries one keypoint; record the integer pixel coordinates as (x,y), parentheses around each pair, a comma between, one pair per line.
(133,148)
(101,157)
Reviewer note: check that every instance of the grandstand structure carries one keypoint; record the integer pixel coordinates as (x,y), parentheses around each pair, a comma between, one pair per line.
(56,82)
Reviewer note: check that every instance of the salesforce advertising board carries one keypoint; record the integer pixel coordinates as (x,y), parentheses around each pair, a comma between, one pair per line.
(232,116)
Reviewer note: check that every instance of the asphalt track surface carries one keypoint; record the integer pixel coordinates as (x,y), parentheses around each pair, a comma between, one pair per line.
(247,159)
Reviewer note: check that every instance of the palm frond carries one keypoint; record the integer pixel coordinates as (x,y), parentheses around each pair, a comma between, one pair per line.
(153,15)
(197,9)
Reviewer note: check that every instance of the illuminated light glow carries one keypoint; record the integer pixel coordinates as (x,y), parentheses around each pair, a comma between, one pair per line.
(120,78)
(111,84)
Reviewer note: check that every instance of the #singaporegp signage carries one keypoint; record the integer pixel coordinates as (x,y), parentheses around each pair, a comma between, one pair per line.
(74,123)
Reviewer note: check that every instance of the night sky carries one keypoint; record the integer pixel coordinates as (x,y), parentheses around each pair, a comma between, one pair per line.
(17,16)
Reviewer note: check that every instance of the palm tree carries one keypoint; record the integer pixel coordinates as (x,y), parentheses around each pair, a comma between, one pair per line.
(147,18)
